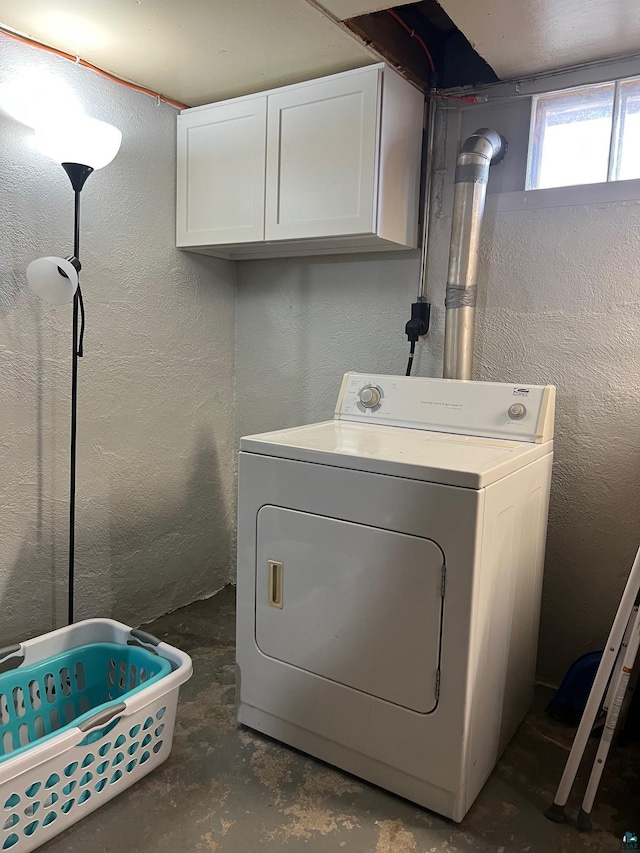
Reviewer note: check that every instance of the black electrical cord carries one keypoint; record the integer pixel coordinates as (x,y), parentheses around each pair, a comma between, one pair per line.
(416,327)
(81,337)
(410,362)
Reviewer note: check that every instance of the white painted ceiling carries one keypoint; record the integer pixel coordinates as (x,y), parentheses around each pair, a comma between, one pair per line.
(344,9)
(520,37)
(194,51)
(197,51)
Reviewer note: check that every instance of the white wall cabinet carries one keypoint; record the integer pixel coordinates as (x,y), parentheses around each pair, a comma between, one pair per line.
(330,165)
(221,172)
(321,158)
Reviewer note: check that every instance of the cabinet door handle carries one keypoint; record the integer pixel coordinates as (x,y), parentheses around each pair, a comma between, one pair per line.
(275,583)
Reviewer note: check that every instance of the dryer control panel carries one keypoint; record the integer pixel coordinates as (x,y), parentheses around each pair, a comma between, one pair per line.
(486,409)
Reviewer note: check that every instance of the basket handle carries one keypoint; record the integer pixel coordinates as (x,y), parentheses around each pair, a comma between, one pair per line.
(102,717)
(144,638)
(11,657)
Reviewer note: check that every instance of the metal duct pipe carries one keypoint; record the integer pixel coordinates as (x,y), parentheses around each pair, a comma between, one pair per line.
(478,152)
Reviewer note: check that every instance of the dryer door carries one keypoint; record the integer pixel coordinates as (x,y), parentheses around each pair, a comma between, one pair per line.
(355,604)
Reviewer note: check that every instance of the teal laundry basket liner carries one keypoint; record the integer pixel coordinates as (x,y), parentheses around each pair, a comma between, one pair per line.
(39,700)
(85,712)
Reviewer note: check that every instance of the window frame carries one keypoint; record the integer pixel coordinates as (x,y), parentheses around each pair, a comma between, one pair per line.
(614,140)
(576,195)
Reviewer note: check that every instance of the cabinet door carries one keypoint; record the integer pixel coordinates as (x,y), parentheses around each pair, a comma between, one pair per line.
(322,146)
(221,151)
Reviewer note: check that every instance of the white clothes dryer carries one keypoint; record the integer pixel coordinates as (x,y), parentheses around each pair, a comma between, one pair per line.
(389,580)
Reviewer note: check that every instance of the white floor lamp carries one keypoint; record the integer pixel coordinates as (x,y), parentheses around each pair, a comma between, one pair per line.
(80,147)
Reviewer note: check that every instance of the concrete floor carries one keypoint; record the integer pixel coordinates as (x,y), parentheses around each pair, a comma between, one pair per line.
(227,790)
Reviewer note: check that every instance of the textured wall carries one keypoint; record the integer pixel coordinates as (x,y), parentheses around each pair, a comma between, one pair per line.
(155,486)
(301,323)
(559,303)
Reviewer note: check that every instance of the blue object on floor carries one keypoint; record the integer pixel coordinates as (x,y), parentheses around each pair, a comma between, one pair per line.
(571,697)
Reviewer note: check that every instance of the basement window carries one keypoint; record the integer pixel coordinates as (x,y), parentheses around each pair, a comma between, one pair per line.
(589,135)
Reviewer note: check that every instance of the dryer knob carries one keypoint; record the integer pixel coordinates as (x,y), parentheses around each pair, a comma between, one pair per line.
(369,397)
(517,411)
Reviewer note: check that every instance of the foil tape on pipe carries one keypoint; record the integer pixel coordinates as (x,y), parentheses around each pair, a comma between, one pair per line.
(472,173)
(459,296)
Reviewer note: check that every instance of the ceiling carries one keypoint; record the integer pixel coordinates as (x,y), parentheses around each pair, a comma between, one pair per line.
(197,51)
(521,37)
(344,9)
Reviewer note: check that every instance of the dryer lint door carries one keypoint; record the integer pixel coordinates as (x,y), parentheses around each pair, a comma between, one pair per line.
(358,605)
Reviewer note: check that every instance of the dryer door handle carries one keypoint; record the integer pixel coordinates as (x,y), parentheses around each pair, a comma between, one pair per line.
(275,584)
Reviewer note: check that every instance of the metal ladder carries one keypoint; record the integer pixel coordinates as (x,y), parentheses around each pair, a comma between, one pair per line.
(611,682)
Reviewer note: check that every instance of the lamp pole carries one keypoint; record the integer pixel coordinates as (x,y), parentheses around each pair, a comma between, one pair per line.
(78,174)
(56,280)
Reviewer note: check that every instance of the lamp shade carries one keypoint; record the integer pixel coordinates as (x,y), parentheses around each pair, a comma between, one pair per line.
(54,280)
(84,140)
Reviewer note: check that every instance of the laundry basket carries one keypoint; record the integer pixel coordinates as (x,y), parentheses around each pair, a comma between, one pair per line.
(85,712)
